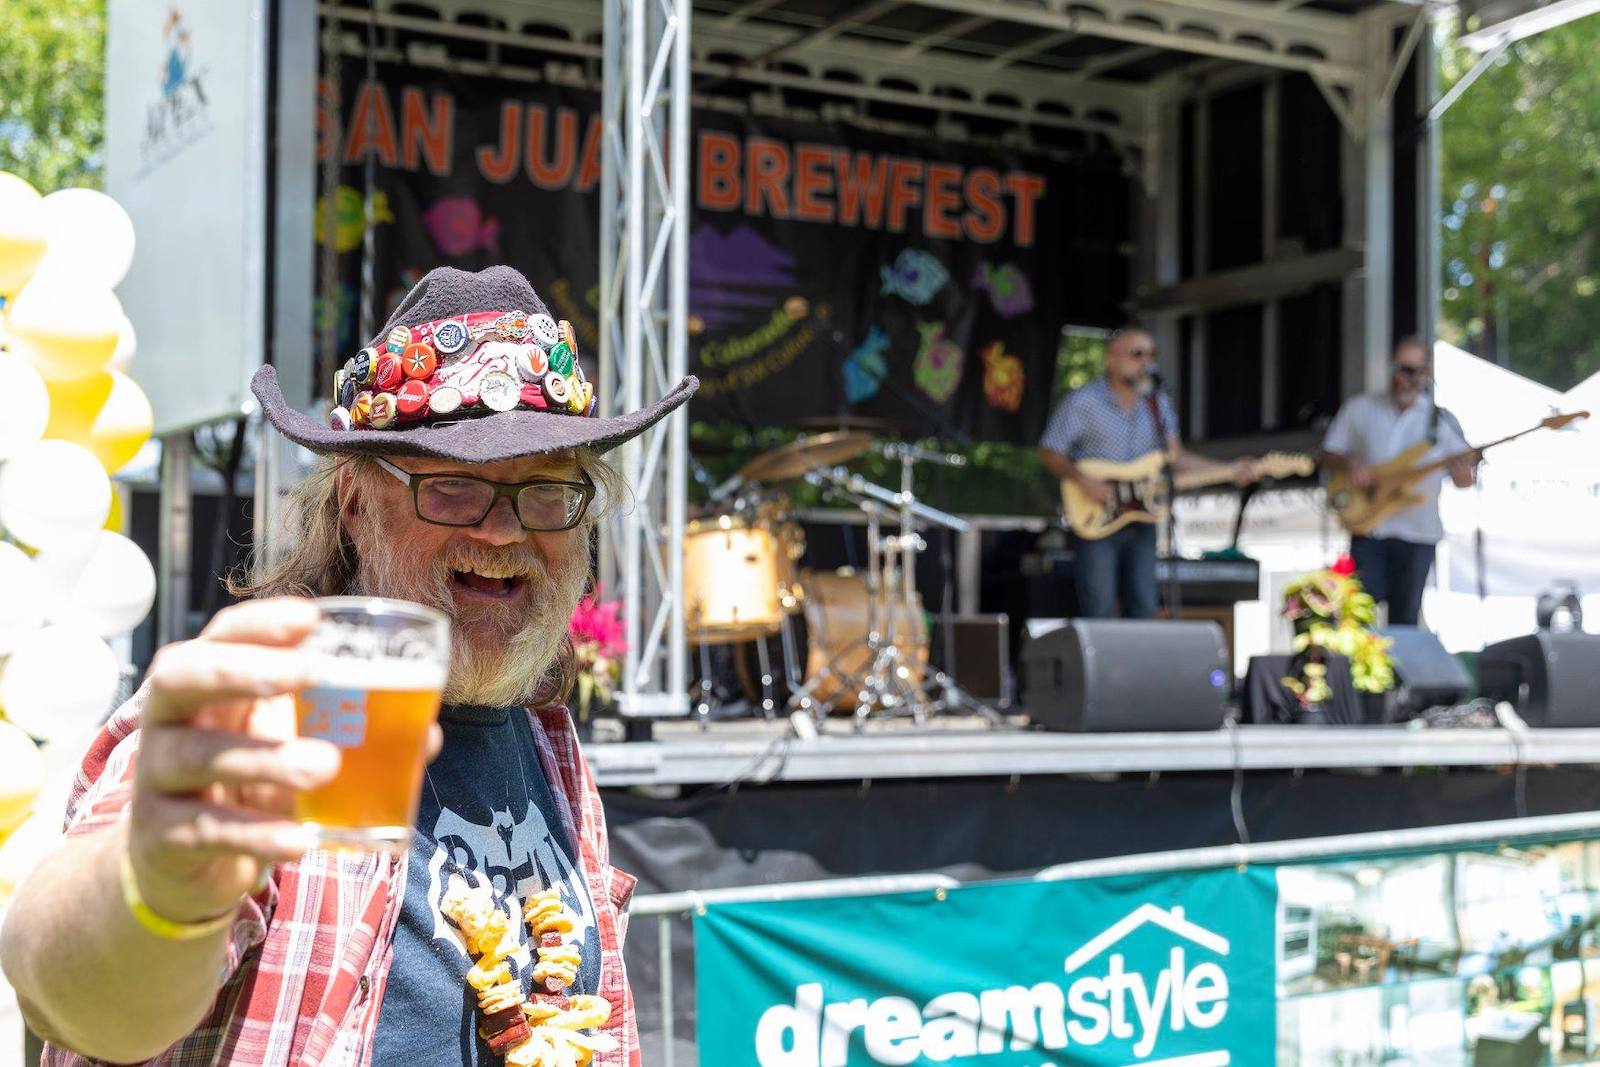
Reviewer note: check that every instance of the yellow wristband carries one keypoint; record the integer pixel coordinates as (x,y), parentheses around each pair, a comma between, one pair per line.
(154,924)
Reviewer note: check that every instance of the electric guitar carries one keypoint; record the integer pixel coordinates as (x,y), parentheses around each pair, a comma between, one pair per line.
(1139,489)
(1362,510)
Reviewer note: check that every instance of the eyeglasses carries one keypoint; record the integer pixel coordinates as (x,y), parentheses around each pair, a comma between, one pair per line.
(542,505)
(1408,371)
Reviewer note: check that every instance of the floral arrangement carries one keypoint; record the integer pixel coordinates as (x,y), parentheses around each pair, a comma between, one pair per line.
(598,640)
(1332,614)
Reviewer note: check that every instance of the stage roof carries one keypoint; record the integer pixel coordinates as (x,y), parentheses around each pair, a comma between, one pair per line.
(1083,64)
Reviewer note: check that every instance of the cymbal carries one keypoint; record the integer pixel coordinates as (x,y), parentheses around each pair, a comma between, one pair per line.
(806,454)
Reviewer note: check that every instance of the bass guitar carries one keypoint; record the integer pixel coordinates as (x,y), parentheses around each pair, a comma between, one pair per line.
(1139,489)
(1362,509)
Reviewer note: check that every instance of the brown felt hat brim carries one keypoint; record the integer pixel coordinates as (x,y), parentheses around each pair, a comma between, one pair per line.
(481,438)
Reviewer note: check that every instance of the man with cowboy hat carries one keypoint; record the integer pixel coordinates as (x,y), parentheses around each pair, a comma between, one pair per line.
(184,921)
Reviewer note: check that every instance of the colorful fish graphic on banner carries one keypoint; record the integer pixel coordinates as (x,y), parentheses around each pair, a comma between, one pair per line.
(1003,378)
(458,226)
(939,360)
(1007,286)
(349,220)
(866,367)
(916,276)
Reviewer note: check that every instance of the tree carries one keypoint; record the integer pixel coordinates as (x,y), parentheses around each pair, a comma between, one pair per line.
(52,92)
(1521,206)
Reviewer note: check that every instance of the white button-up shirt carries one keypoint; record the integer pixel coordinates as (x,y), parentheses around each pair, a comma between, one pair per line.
(1373,429)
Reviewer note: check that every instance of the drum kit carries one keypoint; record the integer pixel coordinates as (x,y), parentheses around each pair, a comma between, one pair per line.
(865,635)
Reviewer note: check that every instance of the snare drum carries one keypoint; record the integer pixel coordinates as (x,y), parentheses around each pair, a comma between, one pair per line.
(730,580)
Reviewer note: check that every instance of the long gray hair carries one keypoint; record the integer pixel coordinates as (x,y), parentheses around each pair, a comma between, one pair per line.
(318,557)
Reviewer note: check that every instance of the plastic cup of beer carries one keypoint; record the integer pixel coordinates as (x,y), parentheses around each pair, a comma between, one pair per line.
(378,668)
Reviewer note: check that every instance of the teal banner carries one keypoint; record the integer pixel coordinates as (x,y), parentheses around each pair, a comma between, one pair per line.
(1112,971)
(1478,957)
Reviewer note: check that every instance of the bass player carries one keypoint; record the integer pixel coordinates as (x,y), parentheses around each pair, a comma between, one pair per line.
(1393,561)
(1120,417)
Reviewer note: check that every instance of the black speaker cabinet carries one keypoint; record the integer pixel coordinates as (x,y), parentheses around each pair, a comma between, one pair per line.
(1110,675)
(1425,674)
(1553,679)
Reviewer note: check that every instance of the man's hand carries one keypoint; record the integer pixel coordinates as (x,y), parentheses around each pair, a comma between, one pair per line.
(1361,474)
(1095,489)
(219,760)
(1463,469)
(1245,472)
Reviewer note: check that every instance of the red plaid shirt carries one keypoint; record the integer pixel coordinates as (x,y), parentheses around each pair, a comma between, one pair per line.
(309,956)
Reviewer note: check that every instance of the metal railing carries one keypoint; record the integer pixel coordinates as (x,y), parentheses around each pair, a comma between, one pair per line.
(664,907)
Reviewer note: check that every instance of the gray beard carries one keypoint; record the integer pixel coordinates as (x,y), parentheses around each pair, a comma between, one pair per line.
(499,653)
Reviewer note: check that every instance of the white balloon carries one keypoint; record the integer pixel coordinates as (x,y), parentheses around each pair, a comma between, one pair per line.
(53,492)
(27,405)
(59,680)
(127,347)
(113,589)
(91,237)
(22,596)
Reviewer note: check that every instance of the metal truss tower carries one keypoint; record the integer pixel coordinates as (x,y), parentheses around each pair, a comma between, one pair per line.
(644,300)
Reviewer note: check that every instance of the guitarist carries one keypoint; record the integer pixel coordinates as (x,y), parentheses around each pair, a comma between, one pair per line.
(1115,418)
(1394,560)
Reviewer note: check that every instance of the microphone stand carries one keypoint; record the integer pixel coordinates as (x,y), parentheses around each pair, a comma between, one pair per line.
(1174,589)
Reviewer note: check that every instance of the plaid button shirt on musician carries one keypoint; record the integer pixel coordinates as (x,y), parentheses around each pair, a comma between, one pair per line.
(308,958)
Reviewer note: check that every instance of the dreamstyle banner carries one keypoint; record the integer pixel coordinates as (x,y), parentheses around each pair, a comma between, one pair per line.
(1485,956)
(831,270)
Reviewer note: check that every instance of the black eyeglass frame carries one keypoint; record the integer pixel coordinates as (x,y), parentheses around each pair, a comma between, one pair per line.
(1409,371)
(501,489)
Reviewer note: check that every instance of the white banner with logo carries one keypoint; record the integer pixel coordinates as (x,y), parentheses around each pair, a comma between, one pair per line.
(186,156)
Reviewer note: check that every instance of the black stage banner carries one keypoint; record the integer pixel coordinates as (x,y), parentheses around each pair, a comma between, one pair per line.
(832,270)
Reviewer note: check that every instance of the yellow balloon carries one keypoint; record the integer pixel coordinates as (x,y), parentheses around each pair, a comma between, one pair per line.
(116,520)
(66,330)
(23,238)
(21,775)
(108,414)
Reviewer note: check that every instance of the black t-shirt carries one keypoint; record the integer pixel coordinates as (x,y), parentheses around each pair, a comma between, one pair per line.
(487,814)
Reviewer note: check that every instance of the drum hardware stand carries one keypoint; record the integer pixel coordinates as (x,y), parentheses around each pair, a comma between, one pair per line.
(709,701)
(886,684)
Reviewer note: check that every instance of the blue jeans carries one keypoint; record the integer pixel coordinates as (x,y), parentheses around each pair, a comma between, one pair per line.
(1122,565)
(1394,572)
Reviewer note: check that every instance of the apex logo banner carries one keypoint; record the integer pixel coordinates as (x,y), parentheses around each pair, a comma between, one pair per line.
(1158,972)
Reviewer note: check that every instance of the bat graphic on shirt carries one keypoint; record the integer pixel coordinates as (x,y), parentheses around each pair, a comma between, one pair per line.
(514,857)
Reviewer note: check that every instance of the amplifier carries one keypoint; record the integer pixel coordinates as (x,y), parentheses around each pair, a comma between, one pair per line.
(979,658)
(1112,675)
(1552,678)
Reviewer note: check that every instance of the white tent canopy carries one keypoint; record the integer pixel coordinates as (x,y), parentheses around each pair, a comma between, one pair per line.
(1535,511)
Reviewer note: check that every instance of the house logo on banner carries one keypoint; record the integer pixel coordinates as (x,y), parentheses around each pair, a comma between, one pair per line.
(181,115)
(1111,995)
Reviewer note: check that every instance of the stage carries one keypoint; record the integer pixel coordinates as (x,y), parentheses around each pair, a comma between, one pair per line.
(758,752)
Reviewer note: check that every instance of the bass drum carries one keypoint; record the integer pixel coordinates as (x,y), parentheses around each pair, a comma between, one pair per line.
(832,640)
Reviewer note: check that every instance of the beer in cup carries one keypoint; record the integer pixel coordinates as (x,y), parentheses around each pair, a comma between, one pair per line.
(378,668)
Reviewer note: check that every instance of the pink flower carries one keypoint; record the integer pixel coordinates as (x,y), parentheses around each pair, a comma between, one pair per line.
(598,624)
(1344,566)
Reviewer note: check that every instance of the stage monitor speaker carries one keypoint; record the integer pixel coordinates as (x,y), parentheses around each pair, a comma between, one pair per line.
(1552,678)
(1110,675)
(980,655)
(1426,674)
